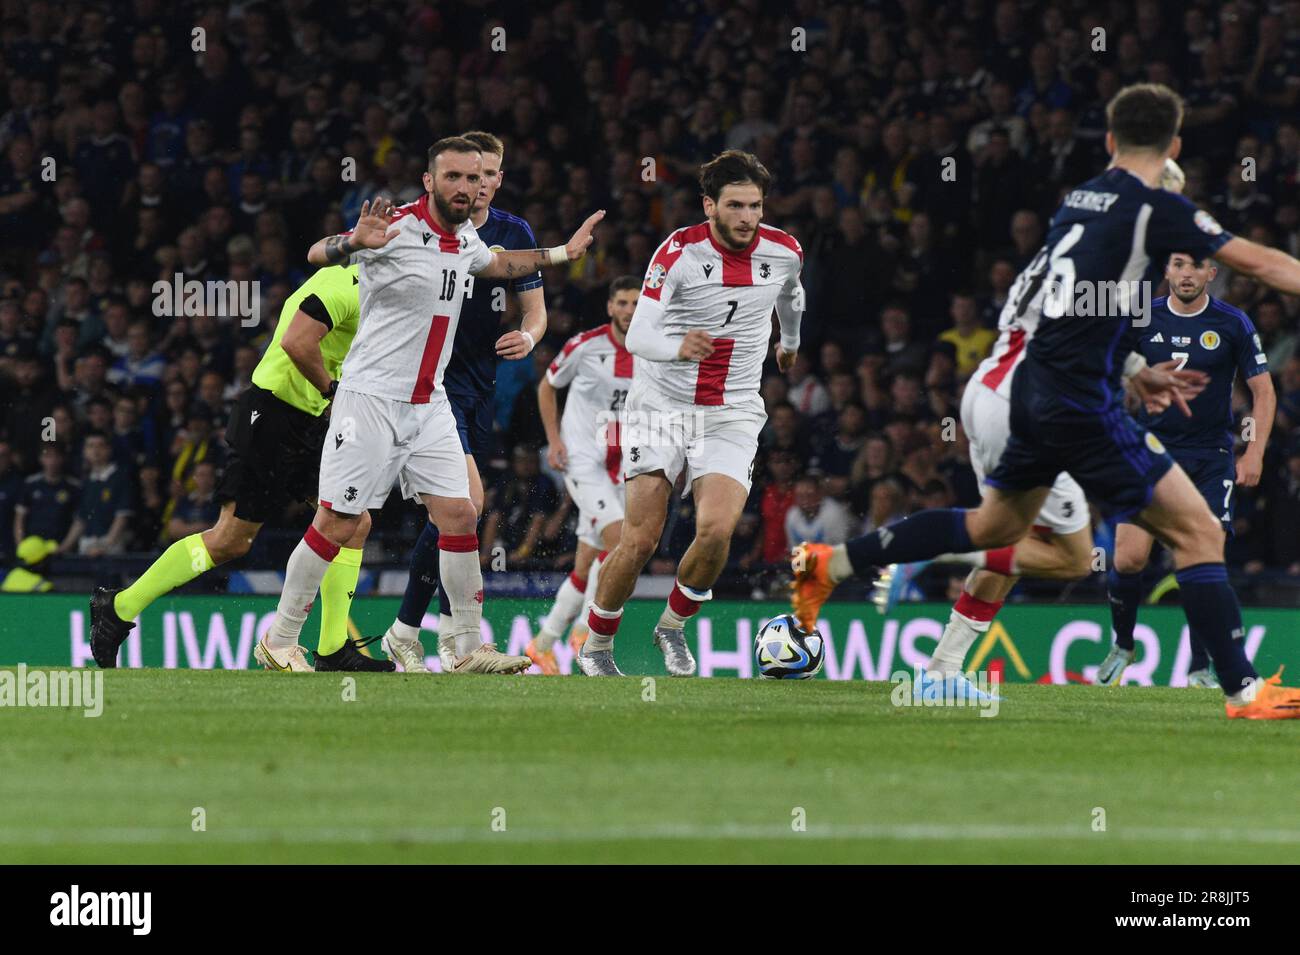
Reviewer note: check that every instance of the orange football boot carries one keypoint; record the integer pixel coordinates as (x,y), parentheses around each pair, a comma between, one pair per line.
(545,659)
(1272,701)
(812,582)
(577,637)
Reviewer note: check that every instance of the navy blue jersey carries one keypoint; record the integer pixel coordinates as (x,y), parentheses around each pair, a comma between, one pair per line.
(472,370)
(1090,285)
(1220,341)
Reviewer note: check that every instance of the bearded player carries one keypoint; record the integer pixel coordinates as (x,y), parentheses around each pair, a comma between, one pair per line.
(596,368)
(700,334)
(391,419)
(470,381)
(275,436)
(1116,230)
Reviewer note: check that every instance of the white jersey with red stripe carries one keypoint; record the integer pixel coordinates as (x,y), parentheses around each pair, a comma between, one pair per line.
(1015,327)
(411,293)
(695,283)
(597,370)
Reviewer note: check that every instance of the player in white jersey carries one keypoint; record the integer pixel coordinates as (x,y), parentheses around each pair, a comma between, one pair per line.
(390,419)
(700,334)
(585,444)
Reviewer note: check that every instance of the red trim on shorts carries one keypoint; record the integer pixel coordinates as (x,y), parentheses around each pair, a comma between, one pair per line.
(1000,560)
(327,505)
(605,626)
(976,609)
(602,555)
(325,548)
(458,543)
(433,344)
(711,383)
(579,582)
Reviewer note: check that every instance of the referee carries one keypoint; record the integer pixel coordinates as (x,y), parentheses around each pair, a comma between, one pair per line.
(275,435)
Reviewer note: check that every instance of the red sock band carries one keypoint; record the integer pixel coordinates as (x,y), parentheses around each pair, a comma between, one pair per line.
(458,543)
(605,626)
(325,548)
(579,582)
(976,609)
(999,561)
(681,604)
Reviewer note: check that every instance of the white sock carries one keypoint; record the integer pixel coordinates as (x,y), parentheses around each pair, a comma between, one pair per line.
(974,558)
(568,604)
(302,577)
(463,579)
(961,632)
(840,568)
(403,633)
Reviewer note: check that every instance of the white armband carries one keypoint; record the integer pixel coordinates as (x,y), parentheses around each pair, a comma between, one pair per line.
(557,255)
(1133,364)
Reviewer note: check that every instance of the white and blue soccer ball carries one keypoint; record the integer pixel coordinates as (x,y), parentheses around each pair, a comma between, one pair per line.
(784,651)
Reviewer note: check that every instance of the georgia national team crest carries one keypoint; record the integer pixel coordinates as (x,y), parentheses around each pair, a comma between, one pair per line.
(655,277)
(1210,340)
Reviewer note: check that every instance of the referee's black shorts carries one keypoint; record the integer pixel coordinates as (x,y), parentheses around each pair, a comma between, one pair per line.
(274,456)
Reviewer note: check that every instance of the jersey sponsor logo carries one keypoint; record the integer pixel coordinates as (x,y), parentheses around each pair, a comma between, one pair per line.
(674,246)
(252,419)
(1154,444)
(427,237)
(1207,223)
(655,277)
(1157,337)
(1210,340)
(338,441)
(708,269)
(1259,346)
(1261,358)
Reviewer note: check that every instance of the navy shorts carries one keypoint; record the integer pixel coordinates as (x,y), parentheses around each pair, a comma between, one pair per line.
(474,414)
(1215,477)
(1114,459)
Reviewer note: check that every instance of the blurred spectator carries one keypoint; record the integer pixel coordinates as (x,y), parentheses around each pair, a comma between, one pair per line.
(107,503)
(971,340)
(50,500)
(519,509)
(815,517)
(198,510)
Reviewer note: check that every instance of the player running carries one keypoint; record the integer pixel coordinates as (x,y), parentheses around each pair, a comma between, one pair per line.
(470,380)
(275,436)
(391,419)
(1066,399)
(596,367)
(1193,330)
(700,334)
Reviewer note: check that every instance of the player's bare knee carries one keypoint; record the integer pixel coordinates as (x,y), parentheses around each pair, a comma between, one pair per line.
(1129,562)
(639,546)
(713,533)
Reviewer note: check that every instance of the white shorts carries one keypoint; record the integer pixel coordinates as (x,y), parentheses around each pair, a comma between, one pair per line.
(373,442)
(599,501)
(986,417)
(659,434)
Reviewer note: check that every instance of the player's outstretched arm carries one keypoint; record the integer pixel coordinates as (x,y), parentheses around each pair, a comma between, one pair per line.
(1273,267)
(512,265)
(371,232)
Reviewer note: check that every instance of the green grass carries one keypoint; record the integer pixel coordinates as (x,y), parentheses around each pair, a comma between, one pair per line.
(586,771)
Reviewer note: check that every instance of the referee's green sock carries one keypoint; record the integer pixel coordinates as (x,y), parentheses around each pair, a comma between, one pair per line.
(336,590)
(178,564)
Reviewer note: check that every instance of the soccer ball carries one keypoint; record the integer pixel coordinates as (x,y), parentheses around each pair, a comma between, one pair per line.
(783,651)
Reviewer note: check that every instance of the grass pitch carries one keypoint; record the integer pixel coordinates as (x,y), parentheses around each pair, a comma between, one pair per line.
(490,769)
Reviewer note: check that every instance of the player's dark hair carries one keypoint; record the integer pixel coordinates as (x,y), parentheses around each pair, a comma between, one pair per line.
(486,143)
(451,144)
(732,168)
(1144,116)
(624,283)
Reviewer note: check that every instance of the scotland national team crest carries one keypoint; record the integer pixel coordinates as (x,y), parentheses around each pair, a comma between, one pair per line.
(1209,340)
(655,277)
(1154,444)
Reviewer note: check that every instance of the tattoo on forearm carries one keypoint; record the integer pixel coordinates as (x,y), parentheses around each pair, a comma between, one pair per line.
(513,269)
(337,249)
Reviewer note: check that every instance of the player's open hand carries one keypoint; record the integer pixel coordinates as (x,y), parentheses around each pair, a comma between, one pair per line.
(576,247)
(696,346)
(371,230)
(1163,384)
(557,455)
(512,346)
(785,359)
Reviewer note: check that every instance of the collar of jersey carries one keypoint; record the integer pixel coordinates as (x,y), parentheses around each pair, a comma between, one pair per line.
(1199,311)
(423,213)
(734,253)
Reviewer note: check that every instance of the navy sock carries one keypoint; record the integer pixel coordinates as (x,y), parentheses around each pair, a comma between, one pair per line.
(921,536)
(1125,592)
(423,578)
(1214,618)
(1200,656)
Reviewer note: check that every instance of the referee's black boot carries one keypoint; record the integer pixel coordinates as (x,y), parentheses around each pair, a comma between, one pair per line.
(108,631)
(348,657)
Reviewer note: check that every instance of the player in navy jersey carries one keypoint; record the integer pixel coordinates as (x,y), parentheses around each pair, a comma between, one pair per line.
(470,380)
(1089,285)
(1193,330)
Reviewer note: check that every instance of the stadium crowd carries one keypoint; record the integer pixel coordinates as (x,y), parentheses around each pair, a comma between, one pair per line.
(917,165)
